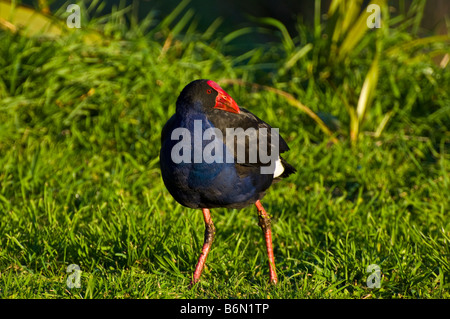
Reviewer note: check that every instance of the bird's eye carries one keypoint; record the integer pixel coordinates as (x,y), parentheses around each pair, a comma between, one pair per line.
(209,91)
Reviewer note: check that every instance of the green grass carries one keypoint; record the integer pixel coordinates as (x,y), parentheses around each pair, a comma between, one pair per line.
(80,182)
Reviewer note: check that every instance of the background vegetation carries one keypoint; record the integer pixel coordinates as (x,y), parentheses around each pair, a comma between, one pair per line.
(365,111)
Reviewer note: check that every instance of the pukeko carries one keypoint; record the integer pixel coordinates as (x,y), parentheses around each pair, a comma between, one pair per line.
(201,168)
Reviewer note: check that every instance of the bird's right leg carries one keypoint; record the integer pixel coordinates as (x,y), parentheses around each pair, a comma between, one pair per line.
(209,238)
(264,223)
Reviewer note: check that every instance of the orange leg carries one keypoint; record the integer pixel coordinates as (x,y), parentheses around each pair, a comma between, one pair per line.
(264,223)
(209,238)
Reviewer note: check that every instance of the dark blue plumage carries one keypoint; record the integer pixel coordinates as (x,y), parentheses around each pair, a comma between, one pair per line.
(203,185)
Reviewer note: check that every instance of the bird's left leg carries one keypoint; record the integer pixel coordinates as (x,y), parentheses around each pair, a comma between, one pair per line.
(208,240)
(264,223)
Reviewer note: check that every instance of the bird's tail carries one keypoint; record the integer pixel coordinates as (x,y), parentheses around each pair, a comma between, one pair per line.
(288,169)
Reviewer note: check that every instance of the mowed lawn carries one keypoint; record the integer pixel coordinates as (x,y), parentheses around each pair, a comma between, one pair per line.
(80,183)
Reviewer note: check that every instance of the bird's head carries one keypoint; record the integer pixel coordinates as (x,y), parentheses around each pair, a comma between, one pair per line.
(205,95)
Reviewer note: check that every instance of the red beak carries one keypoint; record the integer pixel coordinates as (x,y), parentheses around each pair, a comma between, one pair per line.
(223,100)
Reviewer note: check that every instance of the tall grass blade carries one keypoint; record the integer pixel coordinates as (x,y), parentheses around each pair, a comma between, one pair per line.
(297,56)
(287,40)
(174,14)
(367,94)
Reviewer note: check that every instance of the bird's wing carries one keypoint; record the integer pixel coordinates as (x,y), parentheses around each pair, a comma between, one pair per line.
(255,122)
(256,131)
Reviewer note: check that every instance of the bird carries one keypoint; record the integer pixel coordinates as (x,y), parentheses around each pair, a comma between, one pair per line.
(205,166)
